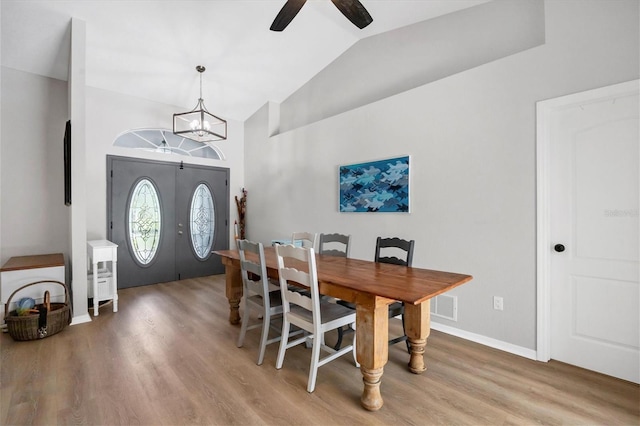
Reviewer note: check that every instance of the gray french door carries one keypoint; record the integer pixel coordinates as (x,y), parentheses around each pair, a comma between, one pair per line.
(166,219)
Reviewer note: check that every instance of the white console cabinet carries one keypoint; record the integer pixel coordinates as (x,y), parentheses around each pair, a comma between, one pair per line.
(102,258)
(21,270)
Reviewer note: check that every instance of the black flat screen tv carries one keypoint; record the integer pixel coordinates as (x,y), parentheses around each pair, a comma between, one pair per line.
(67,164)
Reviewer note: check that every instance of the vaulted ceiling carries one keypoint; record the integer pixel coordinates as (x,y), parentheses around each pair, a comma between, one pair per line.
(149,49)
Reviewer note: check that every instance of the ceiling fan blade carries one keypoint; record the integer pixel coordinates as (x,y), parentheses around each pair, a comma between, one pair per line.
(286,14)
(354,11)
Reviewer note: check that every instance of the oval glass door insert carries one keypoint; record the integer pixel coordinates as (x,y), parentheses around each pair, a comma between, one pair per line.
(144,221)
(202,222)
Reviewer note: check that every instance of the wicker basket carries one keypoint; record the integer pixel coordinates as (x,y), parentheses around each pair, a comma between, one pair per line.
(26,327)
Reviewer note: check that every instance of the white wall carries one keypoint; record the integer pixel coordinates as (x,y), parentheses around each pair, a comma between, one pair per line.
(77,77)
(34,218)
(393,62)
(471,137)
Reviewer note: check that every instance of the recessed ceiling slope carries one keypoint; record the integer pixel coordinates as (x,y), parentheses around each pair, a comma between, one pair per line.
(149,49)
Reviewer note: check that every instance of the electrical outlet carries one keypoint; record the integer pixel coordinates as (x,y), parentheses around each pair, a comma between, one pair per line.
(498,303)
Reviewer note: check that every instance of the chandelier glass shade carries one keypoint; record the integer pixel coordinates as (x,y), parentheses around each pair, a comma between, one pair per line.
(199,124)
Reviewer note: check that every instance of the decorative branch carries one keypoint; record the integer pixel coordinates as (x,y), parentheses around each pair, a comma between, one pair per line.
(242,209)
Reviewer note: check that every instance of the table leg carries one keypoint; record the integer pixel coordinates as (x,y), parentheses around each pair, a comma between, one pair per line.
(417,322)
(372,347)
(234,292)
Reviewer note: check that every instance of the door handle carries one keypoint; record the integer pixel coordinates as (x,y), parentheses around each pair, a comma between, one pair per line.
(179,232)
(559,248)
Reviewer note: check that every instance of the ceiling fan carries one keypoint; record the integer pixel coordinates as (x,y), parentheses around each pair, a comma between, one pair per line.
(352,9)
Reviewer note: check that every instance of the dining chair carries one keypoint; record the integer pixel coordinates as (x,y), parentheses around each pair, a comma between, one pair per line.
(257,297)
(307,239)
(309,313)
(334,245)
(387,251)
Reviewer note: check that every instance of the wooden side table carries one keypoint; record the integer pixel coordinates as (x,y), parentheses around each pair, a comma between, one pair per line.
(104,286)
(22,270)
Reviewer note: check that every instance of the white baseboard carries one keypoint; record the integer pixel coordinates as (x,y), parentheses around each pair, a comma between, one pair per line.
(487,341)
(80,319)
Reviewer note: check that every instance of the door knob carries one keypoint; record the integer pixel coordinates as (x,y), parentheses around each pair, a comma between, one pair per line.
(559,248)
(180,233)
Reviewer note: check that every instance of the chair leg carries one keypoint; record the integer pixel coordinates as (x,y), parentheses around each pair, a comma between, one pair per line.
(283,342)
(266,320)
(406,339)
(315,359)
(245,323)
(339,342)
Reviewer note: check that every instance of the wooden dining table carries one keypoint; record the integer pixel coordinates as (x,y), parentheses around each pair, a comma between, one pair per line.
(372,287)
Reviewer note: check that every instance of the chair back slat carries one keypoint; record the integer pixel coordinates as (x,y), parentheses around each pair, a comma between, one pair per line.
(297,298)
(307,239)
(334,245)
(394,245)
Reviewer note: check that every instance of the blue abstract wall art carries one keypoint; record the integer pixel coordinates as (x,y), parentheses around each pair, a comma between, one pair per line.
(376,186)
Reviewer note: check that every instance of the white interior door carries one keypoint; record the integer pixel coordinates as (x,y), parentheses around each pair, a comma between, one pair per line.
(593,245)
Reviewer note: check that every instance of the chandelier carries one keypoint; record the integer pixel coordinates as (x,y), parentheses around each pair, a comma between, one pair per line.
(199,124)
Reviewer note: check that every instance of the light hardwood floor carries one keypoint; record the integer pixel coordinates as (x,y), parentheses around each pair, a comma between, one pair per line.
(169,357)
